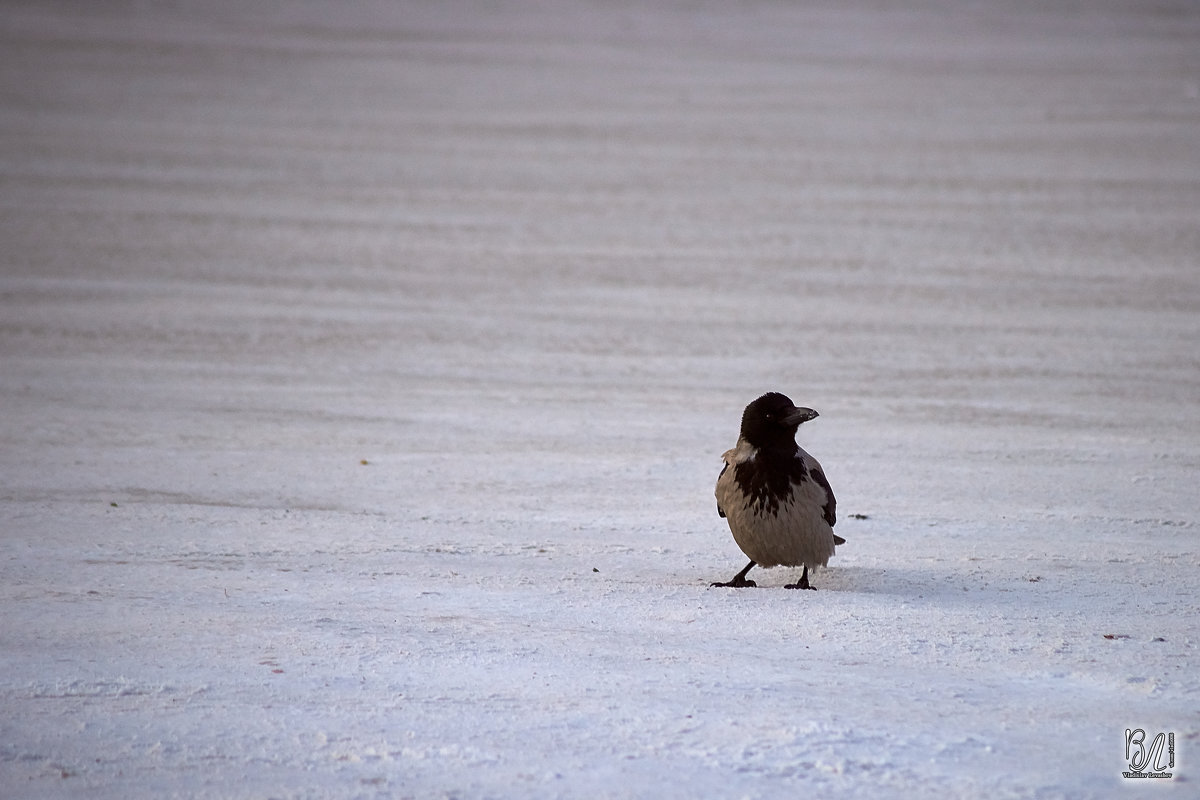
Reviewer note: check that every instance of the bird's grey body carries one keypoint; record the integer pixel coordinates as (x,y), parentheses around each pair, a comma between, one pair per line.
(779,505)
(791,529)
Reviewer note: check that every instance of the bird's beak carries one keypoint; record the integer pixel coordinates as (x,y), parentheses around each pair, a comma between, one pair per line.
(799,415)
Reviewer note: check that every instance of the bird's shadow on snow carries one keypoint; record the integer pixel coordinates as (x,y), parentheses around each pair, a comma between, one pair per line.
(876,580)
(908,582)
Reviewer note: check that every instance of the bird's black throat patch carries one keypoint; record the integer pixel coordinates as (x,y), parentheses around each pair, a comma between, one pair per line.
(767,479)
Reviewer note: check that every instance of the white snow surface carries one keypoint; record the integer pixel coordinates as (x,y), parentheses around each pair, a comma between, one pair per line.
(365,370)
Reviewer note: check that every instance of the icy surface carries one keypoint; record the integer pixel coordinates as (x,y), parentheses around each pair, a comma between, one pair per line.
(365,369)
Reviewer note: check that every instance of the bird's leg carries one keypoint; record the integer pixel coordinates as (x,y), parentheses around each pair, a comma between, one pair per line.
(739,581)
(802,583)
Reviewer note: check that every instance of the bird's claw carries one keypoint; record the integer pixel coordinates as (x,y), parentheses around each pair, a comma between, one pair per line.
(742,584)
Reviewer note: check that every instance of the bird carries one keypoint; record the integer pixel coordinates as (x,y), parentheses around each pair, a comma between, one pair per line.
(774,495)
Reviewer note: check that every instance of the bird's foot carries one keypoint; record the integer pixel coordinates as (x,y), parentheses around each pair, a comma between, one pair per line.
(739,581)
(736,583)
(802,583)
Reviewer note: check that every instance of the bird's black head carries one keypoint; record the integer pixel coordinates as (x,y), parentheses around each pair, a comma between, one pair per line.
(772,419)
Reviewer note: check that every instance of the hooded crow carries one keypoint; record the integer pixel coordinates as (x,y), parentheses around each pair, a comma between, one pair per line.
(774,495)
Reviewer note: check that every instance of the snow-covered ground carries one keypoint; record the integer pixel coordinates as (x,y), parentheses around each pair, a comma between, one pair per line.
(365,370)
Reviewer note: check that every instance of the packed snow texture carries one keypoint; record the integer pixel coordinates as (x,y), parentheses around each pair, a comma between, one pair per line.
(365,370)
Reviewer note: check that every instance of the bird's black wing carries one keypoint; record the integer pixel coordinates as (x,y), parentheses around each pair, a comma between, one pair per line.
(721,511)
(830,509)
